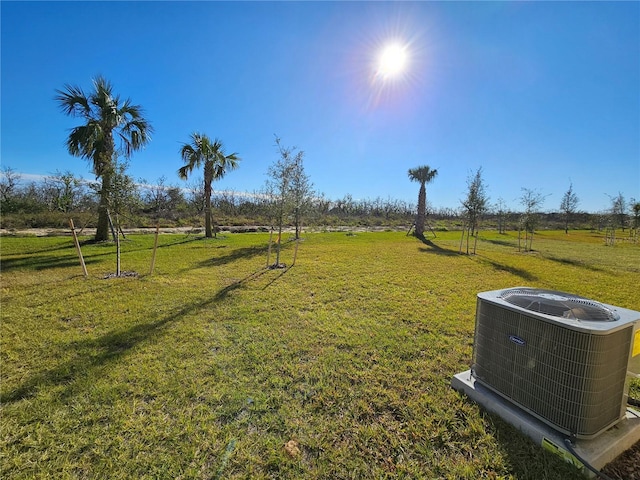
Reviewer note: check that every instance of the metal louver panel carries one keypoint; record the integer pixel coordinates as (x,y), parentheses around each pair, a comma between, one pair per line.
(570,379)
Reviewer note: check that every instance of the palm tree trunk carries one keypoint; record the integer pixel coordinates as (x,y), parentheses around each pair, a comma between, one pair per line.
(208,178)
(422,207)
(102,229)
(207,216)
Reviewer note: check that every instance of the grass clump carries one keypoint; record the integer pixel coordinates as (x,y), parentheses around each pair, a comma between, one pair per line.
(217,367)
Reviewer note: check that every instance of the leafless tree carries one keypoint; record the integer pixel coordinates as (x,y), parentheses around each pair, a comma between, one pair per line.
(617,217)
(569,206)
(501,213)
(532,201)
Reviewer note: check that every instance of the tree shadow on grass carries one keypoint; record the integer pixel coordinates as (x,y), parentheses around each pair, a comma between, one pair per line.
(433,248)
(32,260)
(246,252)
(275,279)
(524,274)
(222,293)
(130,247)
(44,262)
(92,354)
(503,243)
(574,263)
(47,248)
(240,283)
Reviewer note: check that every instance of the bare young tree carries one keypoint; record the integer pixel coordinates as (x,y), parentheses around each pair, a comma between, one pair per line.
(568,207)
(617,217)
(619,211)
(532,201)
(501,213)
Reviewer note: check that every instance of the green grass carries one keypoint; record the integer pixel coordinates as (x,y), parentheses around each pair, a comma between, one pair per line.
(208,367)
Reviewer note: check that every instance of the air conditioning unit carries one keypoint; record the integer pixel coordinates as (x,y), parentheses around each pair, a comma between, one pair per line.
(563,358)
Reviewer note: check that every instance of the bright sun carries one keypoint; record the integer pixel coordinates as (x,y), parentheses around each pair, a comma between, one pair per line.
(392,61)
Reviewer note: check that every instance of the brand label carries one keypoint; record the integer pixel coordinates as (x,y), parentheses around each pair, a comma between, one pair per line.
(561,452)
(517,340)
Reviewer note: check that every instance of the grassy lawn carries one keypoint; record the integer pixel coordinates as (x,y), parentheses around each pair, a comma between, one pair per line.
(215,367)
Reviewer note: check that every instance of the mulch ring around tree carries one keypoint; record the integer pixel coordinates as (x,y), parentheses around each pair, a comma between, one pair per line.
(122,275)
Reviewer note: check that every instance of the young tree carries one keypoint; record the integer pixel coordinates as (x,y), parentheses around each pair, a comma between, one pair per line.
(475,205)
(532,201)
(568,206)
(301,190)
(617,217)
(619,211)
(279,189)
(501,212)
(202,151)
(635,219)
(108,118)
(122,198)
(422,175)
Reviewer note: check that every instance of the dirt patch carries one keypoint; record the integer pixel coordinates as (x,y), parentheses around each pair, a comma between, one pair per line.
(626,466)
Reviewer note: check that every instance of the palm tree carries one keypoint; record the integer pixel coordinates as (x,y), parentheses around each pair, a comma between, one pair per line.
(202,151)
(424,175)
(107,118)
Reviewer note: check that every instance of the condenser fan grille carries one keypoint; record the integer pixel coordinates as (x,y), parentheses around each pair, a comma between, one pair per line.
(558,304)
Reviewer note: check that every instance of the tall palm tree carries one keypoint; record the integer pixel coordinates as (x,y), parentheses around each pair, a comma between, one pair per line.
(107,118)
(202,151)
(423,175)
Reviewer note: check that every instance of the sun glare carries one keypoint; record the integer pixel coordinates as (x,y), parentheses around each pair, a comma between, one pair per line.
(392,61)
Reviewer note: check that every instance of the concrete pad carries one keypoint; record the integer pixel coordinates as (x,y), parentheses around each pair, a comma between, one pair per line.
(597,452)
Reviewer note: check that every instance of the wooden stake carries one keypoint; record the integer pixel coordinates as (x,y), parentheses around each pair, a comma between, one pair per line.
(475,242)
(75,240)
(117,248)
(269,250)
(295,252)
(155,247)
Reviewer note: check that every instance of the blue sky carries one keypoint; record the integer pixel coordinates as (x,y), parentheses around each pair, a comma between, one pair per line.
(538,94)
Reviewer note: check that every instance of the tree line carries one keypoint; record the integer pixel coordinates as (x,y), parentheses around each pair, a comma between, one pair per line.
(51,201)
